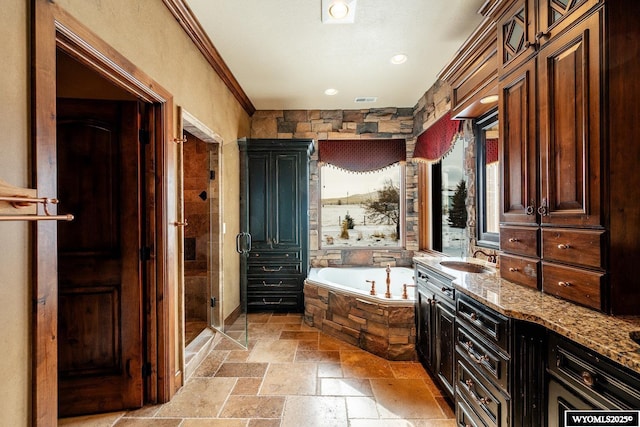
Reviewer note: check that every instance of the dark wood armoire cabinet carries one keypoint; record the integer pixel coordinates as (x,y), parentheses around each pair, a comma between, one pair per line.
(274,203)
(569,129)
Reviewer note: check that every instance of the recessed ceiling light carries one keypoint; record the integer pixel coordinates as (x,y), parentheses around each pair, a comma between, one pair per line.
(490,99)
(331,92)
(400,58)
(338,11)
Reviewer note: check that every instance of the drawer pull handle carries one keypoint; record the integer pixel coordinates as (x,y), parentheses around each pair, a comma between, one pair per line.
(479,360)
(513,269)
(473,316)
(264,301)
(272,284)
(588,379)
(513,240)
(564,284)
(481,400)
(271,270)
(563,246)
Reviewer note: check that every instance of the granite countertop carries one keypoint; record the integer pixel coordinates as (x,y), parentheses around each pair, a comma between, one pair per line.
(607,335)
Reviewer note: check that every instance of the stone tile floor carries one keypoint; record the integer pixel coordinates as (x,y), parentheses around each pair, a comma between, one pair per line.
(292,375)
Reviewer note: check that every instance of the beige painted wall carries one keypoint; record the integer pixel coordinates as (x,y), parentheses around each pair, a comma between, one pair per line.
(14,243)
(147,35)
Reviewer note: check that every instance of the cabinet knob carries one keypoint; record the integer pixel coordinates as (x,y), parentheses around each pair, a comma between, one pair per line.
(587,378)
(513,240)
(513,269)
(469,383)
(563,246)
(564,284)
(530,210)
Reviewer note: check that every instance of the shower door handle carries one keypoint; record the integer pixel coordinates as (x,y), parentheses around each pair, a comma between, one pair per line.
(239,247)
(238,243)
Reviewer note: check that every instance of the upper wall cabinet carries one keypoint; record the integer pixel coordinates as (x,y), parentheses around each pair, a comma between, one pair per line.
(527,25)
(472,73)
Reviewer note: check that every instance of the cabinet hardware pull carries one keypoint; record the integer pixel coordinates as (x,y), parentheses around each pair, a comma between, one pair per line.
(272,284)
(563,246)
(478,359)
(540,35)
(587,378)
(473,316)
(469,383)
(513,269)
(271,270)
(513,240)
(530,210)
(564,284)
(481,400)
(542,210)
(264,301)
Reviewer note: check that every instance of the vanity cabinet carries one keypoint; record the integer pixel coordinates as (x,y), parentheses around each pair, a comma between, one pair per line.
(274,217)
(582,379)
(435,325)
(562,149)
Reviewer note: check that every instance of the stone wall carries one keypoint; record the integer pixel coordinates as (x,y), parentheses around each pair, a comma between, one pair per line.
(387,331)
(383,123)
(377,123)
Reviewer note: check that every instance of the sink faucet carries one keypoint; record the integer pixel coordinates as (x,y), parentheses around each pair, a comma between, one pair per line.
(388,270)
(490,257)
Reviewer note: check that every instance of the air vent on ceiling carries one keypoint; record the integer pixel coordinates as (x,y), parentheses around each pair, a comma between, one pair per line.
(361,99)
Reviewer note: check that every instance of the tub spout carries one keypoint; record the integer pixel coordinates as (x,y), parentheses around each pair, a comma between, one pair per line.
(373,286)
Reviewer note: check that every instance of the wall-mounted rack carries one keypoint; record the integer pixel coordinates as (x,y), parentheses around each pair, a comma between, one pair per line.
(21,204)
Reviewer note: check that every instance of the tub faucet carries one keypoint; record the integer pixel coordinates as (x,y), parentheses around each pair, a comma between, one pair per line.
(373,286)
(388,293)
(405,295)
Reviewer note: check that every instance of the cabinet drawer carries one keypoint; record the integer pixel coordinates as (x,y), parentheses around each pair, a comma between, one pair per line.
(483,357)
(274,268)
(490,324)
(465,416)
(481,395)
(519,240)
(268,301)
(285,256)
(574,284)
(273,284)
(520,270)
(581,247)
(602,381)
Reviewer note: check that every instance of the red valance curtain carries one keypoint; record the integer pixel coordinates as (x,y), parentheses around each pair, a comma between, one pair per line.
(434,143)
(491,150)
(362,155)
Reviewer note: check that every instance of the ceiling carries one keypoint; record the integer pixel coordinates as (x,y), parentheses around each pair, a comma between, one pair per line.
(284,57)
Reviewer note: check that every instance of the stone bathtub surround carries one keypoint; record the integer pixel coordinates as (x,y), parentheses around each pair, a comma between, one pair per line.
(387,331)
(604,334)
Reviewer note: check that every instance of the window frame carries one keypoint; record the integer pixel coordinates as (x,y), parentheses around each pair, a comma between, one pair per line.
(402,222)
(484,238)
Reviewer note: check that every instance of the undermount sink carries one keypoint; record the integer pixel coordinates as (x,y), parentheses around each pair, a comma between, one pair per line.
(467,267)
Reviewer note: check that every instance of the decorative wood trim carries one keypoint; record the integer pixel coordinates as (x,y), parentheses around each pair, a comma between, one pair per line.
(54,28)
(194,30)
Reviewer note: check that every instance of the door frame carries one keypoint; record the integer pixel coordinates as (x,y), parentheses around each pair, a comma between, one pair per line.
(53,28)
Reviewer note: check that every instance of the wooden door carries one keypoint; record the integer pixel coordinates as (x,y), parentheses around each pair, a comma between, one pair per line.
(518,146)
(100,349)
(569,84)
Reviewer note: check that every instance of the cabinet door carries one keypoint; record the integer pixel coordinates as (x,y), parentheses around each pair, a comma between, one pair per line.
(258,201)
(288,201)
(569,116)
(424,324)
(554,16)
(445,347)
(518,152)
(516,36)
(561,399)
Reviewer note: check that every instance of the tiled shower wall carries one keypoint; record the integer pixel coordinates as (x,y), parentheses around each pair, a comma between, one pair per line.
(374,123)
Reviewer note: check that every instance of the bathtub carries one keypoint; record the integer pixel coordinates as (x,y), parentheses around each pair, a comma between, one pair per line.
(337,302)
(353,281)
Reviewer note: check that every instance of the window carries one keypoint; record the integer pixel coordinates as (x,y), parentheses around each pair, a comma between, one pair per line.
(449,196)
(361,209)
(488,180)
